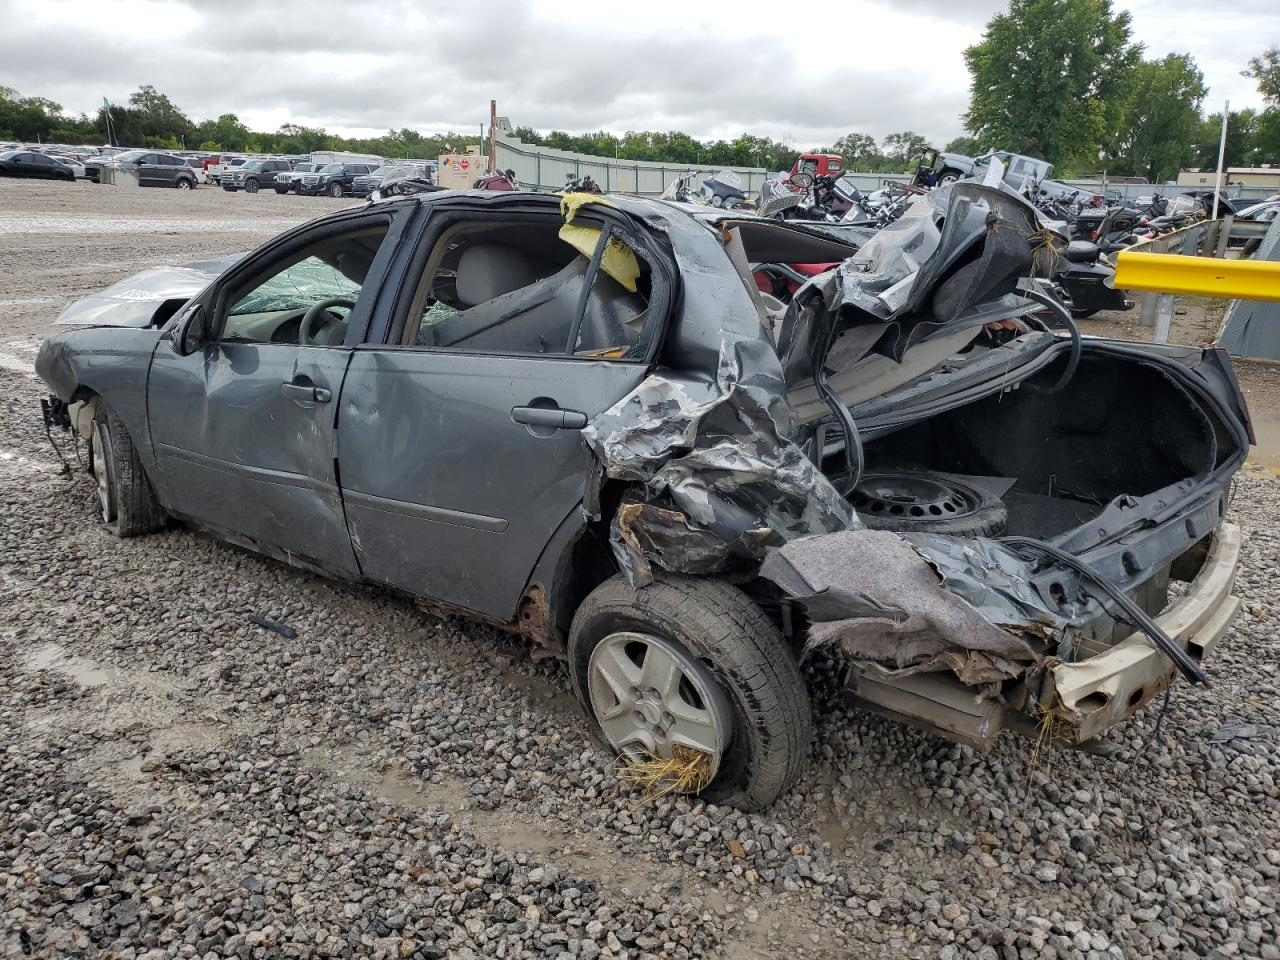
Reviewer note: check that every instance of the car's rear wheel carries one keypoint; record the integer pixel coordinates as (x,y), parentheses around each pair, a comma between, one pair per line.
(126,504)
(251,186)
(687,666)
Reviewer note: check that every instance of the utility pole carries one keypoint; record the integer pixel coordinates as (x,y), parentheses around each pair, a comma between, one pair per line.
(493,135)
(1222,151)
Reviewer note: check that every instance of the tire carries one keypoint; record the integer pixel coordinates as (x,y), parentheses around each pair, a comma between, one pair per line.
(335,190)
(126,504)
(182,183)
(229,189)
(740,648)
(907,501)
(282,189)
(1250,247)
(1083,313)
(949,176)
(251,186)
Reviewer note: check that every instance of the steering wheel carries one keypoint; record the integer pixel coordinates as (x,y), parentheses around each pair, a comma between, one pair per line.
(306,337)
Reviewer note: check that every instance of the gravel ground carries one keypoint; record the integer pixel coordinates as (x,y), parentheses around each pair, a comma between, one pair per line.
(176,782)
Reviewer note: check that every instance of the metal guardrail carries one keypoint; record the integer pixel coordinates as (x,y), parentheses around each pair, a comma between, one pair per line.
(1193,261)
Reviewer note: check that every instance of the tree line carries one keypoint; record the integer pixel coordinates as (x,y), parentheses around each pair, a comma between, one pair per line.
(1061,80)
(151,119)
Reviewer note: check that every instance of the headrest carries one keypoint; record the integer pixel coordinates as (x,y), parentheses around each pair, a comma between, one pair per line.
(489,270)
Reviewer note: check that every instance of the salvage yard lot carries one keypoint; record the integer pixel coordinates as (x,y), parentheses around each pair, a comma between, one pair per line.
(179,782)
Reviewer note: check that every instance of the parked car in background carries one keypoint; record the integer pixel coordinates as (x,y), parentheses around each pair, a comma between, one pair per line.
(290,179)
(253,175)
(215,171)
(334,179)
(197,167)
(24,163)
(75,166)
(364,185)
(153,169)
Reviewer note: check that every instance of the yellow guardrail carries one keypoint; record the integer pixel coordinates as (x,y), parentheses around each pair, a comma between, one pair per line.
(1200,276)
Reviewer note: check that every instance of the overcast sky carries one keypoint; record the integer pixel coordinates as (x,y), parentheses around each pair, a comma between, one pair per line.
(802,72)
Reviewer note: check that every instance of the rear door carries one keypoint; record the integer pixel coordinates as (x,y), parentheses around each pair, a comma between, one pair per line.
(461,454)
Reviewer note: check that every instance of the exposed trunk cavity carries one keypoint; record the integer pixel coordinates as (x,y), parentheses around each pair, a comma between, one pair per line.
(1118,429)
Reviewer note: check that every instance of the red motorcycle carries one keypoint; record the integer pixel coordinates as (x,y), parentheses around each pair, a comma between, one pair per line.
(502,180)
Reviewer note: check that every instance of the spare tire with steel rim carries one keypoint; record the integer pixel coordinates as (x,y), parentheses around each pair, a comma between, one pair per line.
(926,502)
(691,664)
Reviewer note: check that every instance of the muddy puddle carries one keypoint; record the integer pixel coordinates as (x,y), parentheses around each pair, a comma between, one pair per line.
(54,656)
(1266,453)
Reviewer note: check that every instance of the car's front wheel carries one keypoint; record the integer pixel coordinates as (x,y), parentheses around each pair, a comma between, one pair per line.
(251,186)
(126,503)
(685,667)
(335,190)
(184,184)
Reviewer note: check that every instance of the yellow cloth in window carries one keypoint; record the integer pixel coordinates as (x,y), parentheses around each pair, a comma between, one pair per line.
(619,260)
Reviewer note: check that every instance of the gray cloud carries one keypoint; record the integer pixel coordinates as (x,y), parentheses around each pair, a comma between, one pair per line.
(398,64)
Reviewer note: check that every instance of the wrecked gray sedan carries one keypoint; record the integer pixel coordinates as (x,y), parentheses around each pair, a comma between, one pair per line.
(579,419)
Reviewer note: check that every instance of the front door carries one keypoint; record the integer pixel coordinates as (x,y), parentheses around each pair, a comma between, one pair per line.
(460,446)
(244,427)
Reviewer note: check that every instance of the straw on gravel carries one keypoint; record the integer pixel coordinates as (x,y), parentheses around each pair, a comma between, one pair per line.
(686,771)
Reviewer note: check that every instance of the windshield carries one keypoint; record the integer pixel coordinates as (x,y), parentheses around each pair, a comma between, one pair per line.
(331,168)
(8,154)
(306,168)
(130,155)
(383,171)
(252,165)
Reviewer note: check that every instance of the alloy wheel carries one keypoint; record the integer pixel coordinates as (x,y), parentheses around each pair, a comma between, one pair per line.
(649,695)
(102,472)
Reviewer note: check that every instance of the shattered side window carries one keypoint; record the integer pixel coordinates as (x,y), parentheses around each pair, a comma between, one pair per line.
(307,299)
(302,285)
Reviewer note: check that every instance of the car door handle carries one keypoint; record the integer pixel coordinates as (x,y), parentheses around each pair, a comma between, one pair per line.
(552,417)
(305,391)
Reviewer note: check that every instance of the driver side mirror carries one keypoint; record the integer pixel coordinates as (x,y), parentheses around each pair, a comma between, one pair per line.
(192,332)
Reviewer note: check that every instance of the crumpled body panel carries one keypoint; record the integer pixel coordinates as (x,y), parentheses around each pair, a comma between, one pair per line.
(721,480)
(877,595)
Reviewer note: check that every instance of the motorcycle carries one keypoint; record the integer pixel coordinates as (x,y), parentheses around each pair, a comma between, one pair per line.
(1080,280)
(724,189)
(585,184)
(501,180)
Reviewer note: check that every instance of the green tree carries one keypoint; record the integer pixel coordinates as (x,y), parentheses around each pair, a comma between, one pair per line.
(900,149)
(1240,131)
(1051,78)
(226,130)
(859,152)
(1157,136)
(967,146)
(158,115)
(1265,68)
(28,118)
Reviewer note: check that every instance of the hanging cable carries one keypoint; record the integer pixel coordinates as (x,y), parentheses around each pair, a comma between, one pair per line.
(1133,613)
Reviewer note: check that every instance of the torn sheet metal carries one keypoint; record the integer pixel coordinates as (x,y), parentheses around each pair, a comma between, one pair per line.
(904,283)
(133,301)
(721,480)
(875,594)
